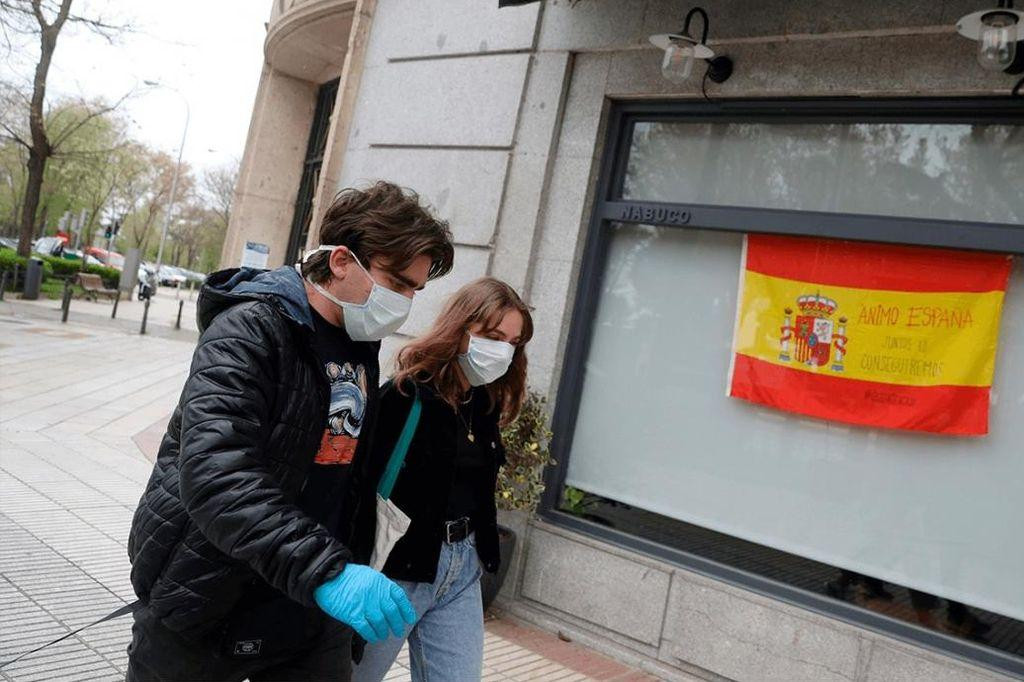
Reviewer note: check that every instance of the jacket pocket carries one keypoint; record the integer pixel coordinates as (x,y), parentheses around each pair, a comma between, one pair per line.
(195,594)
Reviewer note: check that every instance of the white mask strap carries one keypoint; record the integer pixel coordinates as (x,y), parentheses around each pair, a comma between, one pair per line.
(312,252)
(327,247)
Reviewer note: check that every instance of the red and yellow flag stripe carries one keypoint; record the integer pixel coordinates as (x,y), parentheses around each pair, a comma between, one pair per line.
(874,334)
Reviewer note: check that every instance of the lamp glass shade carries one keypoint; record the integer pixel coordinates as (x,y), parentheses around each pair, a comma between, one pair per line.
(677,64)
(997,43)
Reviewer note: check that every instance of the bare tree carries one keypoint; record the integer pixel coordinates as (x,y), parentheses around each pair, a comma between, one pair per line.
(43,19)
(219,186)
(143,194)
(157,196)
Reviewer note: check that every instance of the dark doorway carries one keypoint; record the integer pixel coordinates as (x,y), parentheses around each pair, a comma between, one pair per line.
(311,169)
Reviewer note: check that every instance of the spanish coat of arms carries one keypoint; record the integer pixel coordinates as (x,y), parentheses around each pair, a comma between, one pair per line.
(812,336)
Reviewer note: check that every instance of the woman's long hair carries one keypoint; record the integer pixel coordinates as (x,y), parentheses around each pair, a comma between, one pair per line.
(432,358)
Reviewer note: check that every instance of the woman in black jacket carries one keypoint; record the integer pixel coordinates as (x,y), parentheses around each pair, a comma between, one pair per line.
(468,374)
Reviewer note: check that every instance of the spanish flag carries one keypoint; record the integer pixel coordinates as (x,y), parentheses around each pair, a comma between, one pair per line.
(899,337)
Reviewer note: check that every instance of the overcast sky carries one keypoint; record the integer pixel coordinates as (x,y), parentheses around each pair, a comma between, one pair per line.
(209,50)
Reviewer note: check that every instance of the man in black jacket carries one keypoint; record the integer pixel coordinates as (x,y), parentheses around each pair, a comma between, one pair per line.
(235,545)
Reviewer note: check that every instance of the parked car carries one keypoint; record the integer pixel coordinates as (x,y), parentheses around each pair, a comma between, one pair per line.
(48,246)
(111,259)
(171,276)
(7,243)
(71,254)
(193,276)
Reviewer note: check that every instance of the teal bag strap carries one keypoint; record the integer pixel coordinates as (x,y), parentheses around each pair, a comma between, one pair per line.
(387,481)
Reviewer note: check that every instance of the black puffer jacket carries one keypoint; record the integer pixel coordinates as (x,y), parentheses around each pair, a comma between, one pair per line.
(219,514)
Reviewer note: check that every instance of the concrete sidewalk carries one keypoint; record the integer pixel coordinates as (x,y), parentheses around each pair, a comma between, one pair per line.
(163,310)
(79,406)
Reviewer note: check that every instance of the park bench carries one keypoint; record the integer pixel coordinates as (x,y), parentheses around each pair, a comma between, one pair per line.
(93,286)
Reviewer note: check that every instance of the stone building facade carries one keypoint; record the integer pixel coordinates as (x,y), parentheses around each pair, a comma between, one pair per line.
(510,122)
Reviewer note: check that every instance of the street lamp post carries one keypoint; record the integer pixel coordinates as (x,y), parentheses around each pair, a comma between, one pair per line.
(174,181)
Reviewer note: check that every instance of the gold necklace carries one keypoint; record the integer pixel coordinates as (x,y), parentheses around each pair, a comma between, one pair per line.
(468,424)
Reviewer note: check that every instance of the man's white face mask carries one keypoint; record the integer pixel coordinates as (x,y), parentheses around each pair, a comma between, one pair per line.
(381,315)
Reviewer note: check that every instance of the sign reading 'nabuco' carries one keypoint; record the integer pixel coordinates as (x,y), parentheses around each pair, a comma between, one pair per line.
(661,215)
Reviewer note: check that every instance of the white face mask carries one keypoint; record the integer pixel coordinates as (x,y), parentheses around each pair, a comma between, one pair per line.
(381,315)
(486,360)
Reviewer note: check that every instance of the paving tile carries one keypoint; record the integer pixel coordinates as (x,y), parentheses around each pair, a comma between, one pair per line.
(515,662)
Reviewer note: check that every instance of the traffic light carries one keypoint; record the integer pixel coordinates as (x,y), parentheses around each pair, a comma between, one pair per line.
(107,233)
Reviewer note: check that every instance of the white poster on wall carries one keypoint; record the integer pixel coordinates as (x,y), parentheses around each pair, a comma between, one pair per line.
(255,255)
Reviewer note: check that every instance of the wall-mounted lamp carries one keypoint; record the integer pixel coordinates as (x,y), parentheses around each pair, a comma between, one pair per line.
(998,32)
(682,49)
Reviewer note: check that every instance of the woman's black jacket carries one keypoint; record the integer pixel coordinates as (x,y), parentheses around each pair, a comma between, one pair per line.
(425,481)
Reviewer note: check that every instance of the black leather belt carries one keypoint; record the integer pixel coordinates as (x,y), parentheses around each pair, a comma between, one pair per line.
(458,530)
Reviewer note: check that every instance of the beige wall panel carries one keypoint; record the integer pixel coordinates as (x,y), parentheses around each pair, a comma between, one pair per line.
(259,219)
(625,596)
(462,185)
(626,24)
(892,662)
(932,64)
(530,166)
(564,214)
(720,629)
(429,28)
(271,167)
(466,102)
(470,263)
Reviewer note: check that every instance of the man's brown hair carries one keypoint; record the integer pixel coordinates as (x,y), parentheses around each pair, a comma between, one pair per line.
(386,223)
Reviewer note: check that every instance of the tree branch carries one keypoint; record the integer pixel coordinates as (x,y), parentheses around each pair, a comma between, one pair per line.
(37,10)
(79,153)
(13,135)
(63,136)
(62,15)
(4,28)
(100,27)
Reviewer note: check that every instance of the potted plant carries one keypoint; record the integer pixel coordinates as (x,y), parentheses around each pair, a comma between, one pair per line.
(520,481)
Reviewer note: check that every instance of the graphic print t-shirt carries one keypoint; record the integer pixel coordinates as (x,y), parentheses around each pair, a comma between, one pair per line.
(352,369)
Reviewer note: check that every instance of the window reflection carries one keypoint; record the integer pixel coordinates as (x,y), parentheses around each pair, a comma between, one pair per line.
(943,171)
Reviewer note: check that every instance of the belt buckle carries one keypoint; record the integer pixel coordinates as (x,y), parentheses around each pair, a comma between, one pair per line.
(453,524)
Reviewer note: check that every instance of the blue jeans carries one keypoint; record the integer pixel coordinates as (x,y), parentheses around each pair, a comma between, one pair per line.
(447,642)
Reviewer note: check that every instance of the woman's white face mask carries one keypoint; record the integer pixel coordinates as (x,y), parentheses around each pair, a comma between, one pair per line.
(486,360)
(381,315)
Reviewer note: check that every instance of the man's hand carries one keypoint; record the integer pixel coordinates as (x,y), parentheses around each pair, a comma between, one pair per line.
(366,600)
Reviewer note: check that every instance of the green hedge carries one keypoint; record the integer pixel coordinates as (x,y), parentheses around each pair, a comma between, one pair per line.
(62,267)
(9,258)
(111,276)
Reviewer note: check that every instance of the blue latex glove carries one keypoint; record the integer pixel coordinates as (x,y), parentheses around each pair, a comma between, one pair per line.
(366,600)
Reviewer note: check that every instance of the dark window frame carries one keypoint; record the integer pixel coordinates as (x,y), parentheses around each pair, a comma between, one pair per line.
(315,149)
(609,207)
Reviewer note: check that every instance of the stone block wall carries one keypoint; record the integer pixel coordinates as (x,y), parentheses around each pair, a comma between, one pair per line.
(496,116)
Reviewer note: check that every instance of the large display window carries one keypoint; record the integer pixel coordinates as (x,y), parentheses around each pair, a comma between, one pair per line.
(920,530)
